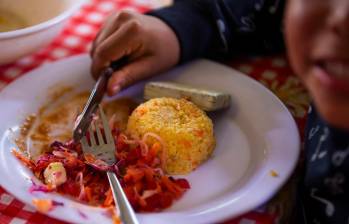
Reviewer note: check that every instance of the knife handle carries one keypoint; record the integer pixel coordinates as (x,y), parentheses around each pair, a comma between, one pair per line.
(107,72)
(117,64)
(95,98)
(114,66)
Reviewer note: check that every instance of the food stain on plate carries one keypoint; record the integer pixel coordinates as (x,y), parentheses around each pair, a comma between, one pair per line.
(54,121)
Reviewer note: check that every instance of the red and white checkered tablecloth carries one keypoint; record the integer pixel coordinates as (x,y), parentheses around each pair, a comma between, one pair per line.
(76,38)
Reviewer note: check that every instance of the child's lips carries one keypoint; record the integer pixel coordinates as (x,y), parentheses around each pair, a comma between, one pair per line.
(333,75)
(339,70)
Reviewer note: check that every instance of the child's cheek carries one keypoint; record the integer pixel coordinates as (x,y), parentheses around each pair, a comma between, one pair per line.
(296,36)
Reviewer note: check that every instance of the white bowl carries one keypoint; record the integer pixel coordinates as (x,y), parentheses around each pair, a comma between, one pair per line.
(44,19)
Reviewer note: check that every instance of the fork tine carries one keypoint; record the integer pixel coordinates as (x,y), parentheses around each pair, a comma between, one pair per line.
(107,131)
(99,134)
(92,136)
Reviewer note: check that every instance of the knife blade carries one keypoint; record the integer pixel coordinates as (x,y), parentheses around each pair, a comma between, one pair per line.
(96,96)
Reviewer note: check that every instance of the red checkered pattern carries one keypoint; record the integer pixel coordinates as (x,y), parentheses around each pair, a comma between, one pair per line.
(76,38)
(13,211)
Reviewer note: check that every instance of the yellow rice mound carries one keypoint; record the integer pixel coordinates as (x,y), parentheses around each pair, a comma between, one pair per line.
(185,129)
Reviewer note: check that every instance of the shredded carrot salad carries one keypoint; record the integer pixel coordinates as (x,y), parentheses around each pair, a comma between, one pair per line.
(138,169)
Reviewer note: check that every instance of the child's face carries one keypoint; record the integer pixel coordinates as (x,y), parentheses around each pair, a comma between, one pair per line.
(317,38)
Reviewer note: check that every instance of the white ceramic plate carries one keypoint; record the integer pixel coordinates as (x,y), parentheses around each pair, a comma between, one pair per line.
(256,135)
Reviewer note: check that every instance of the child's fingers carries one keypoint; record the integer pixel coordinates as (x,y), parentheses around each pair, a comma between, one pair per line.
(114,22)
(130,74)
(141,39)
(123,42)
(110,26)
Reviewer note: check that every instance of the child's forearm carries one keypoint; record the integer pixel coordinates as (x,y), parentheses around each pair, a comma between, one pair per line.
(192,25)
(218,28)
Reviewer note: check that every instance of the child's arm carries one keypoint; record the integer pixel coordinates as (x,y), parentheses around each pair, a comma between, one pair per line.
(187,30)
(217,28)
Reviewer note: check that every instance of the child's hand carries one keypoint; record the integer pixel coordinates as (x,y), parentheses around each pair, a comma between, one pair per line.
(149,44)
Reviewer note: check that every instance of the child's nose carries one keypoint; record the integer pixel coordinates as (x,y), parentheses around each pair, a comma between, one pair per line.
(339,19)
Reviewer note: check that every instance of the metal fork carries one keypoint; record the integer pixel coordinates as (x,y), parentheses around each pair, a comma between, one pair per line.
(105,151)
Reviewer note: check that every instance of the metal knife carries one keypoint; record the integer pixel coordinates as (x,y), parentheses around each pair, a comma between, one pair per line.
(96,96)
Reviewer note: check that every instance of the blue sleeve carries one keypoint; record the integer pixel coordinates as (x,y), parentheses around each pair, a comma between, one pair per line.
(221,28)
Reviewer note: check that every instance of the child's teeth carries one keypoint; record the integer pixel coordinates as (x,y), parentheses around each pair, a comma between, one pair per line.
(337,69)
